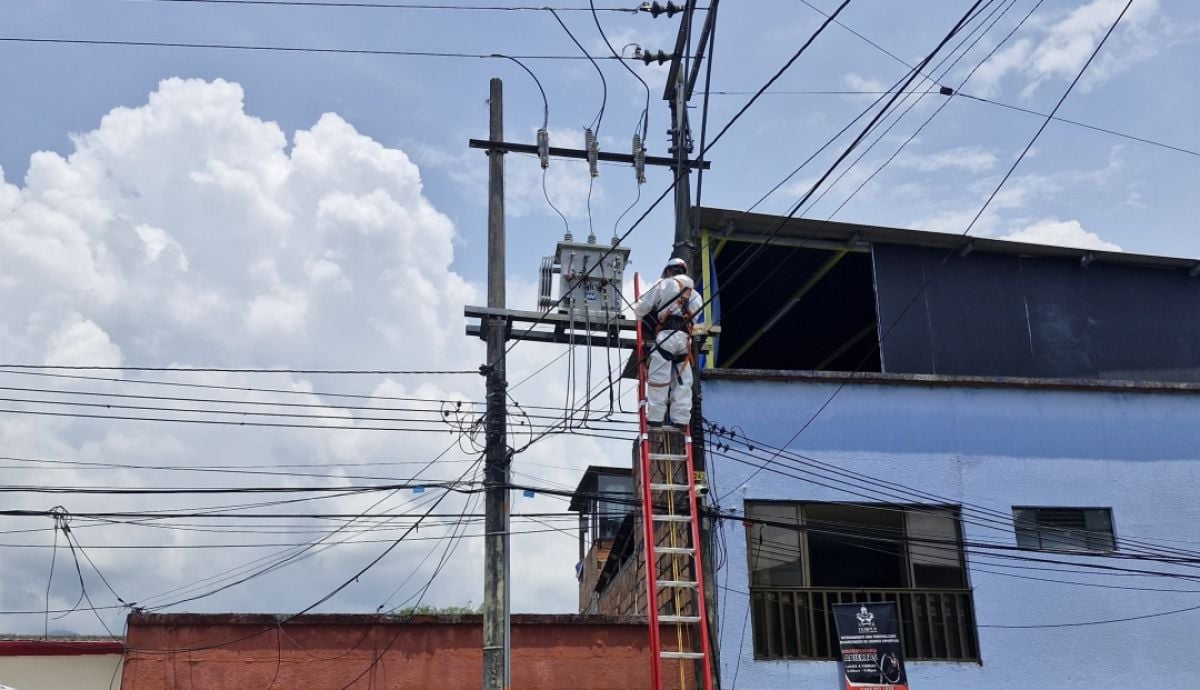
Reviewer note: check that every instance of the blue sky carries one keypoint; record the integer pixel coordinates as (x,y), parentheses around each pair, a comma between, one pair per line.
(211,207)
(1125,192)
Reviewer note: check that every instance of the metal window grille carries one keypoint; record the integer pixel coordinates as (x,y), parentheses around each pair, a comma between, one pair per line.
(797,623)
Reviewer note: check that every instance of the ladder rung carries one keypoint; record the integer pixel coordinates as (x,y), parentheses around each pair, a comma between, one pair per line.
(682,655)
(676,583)
(678,619)
(669,487)
(670,457)
(672,549)
(671,518)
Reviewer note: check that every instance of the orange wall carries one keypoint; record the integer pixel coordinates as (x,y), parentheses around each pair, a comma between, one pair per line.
(327,652)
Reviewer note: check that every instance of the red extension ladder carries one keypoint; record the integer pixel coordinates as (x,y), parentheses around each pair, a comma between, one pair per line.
(671,534)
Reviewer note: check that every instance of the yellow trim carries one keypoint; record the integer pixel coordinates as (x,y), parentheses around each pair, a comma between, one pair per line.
(720,248)
(706,275)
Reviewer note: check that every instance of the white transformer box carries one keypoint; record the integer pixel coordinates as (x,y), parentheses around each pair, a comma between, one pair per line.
(584,287)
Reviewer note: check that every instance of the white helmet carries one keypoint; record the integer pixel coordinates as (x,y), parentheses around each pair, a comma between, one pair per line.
(675,266)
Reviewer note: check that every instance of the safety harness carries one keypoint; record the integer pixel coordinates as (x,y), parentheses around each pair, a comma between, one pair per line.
(681,321)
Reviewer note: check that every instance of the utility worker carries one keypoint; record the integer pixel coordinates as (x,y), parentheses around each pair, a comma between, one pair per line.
(672,304)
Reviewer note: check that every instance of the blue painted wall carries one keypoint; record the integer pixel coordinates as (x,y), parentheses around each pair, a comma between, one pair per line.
(1138,453)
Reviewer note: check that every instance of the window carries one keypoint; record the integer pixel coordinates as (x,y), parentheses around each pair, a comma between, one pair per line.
(1064,529)
(611,510)
(767,322)
(813,555)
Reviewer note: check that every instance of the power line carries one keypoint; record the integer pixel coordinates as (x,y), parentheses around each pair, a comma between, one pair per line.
(454,418)
(1094,622)
(278,425)
(255,389)
(356,4)
(900,60)
(901,86)
(996,15)
(286,49)
(1123,135)
(219,370)
(460,487)
(974,219)
(847,480)
(680,174)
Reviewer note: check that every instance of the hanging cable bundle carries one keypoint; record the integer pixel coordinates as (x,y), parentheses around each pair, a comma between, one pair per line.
(639,159)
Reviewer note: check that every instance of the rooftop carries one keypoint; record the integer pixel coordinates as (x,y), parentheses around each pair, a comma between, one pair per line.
(801,295)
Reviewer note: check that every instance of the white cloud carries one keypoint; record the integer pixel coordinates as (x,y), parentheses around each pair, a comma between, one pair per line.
(974,159)
(185,231)
(1062,233)
(857,82)
(79,341)
(1058,48)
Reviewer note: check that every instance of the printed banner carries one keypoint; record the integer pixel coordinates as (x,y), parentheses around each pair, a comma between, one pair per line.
(869,635)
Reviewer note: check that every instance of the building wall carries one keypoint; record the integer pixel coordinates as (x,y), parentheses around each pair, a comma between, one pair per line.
(60,665)
(625,593)
(593,561)
(1136,452)
(326,652)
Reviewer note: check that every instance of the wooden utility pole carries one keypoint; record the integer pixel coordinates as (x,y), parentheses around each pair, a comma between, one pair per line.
(496,629)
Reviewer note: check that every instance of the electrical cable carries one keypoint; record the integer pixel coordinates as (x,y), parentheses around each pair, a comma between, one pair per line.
(997,14)
(596,122)
(958,92)
(967,18)
(279,49)
(592,132)
(287,557)
(933,274)
(281,391)
(645,119)
(981,30)
(679,175)
(973,513)
(372,372)
(1123,135)
(358,4)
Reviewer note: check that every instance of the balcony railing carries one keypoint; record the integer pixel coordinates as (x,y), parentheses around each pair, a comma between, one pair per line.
(797,623)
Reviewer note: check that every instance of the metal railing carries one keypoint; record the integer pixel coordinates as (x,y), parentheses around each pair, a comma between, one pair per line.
(797,622)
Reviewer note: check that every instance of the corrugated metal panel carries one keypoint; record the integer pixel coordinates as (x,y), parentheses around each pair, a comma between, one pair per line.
(989,314)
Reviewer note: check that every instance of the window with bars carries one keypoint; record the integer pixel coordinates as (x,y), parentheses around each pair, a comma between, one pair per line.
(1064,529)
(804,557)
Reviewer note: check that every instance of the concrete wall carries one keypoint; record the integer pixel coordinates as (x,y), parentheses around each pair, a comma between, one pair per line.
(60,665)
(996,447)
(326,652)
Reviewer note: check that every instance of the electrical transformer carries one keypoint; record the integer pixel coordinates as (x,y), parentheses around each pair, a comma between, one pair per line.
(584,287)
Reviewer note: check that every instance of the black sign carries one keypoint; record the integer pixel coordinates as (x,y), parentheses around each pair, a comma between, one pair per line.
(869,635)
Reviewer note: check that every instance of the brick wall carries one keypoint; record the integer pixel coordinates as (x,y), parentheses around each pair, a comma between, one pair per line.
(625,593)
(330,651)
(592,563)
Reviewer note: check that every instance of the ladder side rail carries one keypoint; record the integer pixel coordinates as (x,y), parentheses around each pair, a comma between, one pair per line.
(647,506)
(705,647)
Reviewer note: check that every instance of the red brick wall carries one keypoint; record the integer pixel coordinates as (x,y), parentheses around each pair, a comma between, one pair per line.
(327,652)
(625,594)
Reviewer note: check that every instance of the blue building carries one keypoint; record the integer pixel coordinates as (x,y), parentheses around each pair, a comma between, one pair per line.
(1002,438)
(1013,456)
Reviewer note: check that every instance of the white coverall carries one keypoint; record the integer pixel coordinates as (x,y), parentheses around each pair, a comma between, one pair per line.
(666,379)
